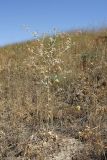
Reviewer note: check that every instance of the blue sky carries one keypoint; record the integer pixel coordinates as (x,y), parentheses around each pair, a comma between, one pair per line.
(44,15)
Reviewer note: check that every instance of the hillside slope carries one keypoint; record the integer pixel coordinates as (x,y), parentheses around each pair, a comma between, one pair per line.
(54,84)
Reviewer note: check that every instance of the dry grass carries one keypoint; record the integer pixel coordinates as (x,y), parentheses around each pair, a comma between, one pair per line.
(56,83)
